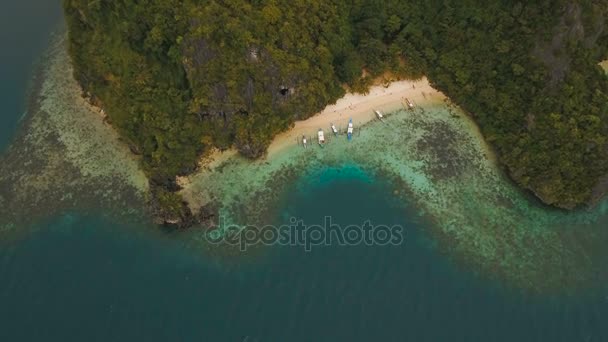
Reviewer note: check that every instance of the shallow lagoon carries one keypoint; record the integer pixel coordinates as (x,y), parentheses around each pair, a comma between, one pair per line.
(435,161)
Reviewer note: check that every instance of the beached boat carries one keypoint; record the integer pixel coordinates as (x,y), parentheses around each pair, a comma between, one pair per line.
(304,141)
(349,132)
(321,136)
(334,129)
(379,115)
(410,104)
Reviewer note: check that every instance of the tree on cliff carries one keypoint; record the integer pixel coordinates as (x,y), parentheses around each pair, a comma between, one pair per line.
(177,77)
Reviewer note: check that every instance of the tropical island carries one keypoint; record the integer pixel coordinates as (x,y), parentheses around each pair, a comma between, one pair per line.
(178,79)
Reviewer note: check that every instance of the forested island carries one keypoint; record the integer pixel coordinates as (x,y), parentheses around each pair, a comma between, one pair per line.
(179,78)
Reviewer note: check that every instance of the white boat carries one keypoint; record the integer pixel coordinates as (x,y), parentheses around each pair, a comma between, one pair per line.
(304,141)
(349,132)
(379,115)
(410,104)
(334,129)
(321,136)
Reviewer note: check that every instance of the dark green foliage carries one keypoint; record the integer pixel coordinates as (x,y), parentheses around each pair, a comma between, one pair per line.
(169,209)
(177,77)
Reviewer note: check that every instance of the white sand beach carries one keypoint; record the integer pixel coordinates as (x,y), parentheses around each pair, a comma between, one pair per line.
(358,107)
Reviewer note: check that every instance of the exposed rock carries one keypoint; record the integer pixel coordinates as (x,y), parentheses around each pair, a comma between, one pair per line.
(169,210)
(166,183)
(554,53)
(208,215)
(251,150)
(135,149)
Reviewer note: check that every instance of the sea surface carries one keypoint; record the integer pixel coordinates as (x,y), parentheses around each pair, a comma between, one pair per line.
(24,34)
(84,278)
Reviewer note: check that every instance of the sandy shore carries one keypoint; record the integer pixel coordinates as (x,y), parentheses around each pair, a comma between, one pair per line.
(358,107)
(442,170)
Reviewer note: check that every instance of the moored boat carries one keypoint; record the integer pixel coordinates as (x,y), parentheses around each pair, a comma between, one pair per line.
(334,129)
(304,141)
(410,104)
(349,132)
(321,136)
(379,115)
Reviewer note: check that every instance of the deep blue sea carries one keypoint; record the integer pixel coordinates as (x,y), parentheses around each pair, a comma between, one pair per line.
(83,278)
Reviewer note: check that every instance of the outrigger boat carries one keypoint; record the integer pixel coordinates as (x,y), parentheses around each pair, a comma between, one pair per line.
(410,104)
(349,132)
(379,115)
(304,141)
(321,136)
(334,129)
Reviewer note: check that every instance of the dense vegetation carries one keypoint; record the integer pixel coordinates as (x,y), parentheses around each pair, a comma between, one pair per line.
(178,77)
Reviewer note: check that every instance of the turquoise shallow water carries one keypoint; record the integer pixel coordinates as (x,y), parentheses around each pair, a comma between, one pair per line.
(84,278)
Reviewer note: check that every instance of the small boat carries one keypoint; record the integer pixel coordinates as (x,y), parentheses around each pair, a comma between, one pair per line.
(334,129)
(349,132)
(379,115)
(304,141)
(410,104)
(321,136)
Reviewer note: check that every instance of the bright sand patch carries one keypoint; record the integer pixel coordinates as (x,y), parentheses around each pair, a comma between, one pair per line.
(360,108)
